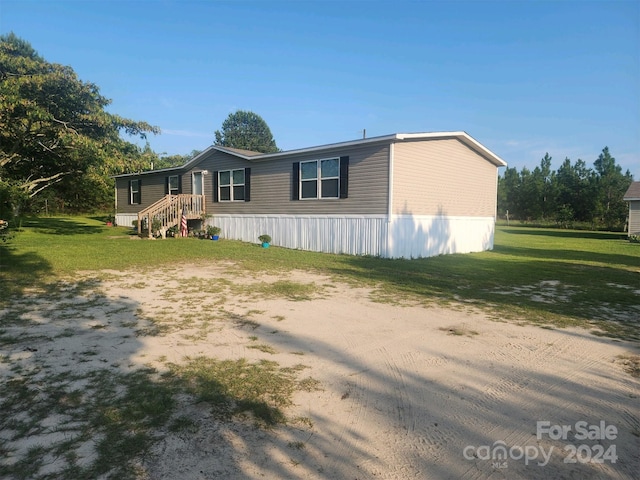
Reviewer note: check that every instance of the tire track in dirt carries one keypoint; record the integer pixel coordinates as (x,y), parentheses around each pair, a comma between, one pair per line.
(348,438)
(557,389)
(390,420)
(522,379)
(412,440)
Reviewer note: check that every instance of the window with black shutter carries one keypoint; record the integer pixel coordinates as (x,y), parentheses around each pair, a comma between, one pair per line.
(232,185)
(320,179)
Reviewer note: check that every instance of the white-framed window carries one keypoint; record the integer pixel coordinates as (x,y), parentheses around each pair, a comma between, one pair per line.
(231,185)
(173,185)
(197,183)
(134,192)
(320,179)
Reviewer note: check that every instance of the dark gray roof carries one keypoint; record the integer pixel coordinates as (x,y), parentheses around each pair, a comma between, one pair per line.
(633,193)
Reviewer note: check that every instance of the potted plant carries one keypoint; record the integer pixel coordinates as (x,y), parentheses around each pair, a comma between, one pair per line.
(173,232)
(265,239)
(213,232)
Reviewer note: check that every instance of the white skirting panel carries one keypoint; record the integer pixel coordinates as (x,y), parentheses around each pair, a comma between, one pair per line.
(405,236)
(353,235)
(125,219)
(415,236)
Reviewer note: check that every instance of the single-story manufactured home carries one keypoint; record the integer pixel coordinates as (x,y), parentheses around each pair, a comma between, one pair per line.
(401,195)
(632,196)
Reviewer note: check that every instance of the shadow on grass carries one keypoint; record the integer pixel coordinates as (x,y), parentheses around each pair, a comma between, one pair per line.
(566,233)
(570,255)
(61,226)
(19,270)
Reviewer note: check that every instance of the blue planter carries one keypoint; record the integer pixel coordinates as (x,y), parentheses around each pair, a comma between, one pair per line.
(265,245)
(215,237)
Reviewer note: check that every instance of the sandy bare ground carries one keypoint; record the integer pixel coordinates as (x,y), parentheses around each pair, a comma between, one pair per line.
(406,392)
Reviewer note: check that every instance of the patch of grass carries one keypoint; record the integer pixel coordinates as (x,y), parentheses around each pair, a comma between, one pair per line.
(295,291)
(236,387)
(631,364)
(309,384)
(115,412)
(460,330)
(264,348)
(306,422)
(245,322)
(126,419)
(296,445)
(183,424)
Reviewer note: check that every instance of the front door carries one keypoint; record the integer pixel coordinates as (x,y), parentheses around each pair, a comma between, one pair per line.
(198,187)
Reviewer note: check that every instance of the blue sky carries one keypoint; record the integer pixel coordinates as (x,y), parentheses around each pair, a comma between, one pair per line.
(523,78)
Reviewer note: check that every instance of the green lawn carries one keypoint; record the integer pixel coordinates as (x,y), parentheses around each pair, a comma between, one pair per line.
(546,276)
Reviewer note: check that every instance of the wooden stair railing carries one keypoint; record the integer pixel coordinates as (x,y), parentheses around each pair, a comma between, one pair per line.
(168,210)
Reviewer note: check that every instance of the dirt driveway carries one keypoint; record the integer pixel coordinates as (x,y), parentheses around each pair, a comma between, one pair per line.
(402,392)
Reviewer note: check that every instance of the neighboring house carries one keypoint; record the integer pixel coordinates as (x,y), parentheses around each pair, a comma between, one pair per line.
(633,197)
(402,195)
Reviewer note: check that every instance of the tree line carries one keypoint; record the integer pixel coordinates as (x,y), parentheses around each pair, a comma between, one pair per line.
(573,195)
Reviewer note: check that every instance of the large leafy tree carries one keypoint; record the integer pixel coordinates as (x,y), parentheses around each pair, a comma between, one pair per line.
(169,161)
(246,130)
(54,126)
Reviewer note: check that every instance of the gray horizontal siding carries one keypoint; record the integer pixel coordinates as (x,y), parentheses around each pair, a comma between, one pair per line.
(271,184)
(153,187)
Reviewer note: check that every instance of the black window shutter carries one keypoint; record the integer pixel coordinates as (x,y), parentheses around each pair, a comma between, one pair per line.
(129,193)
(215,186)
(166,185)
(139,191)
(344,177)
(295,182)
(179,183)
(247,184)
